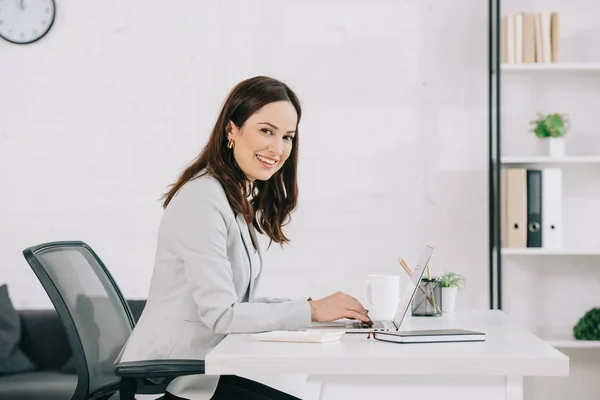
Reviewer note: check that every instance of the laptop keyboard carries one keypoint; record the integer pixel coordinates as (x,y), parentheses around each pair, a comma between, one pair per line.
(362,325)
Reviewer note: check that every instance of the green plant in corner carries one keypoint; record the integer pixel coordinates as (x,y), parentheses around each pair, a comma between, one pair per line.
(551,125)
(452,279)
(588,327)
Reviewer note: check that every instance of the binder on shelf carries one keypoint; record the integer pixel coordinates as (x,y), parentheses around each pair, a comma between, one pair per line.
(539,53)
(554,36)
(503,39)
(528,37)
(534,208)
(514,207)
(552,208)
(518,38)
(510,39)
(546,38)
(503,184)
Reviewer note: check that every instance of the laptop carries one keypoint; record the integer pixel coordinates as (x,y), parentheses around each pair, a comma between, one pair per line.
(393,327)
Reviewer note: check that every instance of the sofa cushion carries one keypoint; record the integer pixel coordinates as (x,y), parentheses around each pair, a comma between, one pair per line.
(137,307)
(39,385)
(43,339)
(12,358)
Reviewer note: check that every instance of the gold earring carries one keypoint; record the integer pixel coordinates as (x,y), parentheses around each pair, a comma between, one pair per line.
(230,144)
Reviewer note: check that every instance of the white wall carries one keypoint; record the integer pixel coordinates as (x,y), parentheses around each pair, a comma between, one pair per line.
(102,114)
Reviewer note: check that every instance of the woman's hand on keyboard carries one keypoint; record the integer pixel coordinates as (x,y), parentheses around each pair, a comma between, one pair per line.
(336,306)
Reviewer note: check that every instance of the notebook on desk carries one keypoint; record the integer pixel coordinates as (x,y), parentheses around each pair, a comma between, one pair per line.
(392,328)
(430,336)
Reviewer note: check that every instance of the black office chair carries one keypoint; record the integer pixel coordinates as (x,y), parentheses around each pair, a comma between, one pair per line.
(98,322)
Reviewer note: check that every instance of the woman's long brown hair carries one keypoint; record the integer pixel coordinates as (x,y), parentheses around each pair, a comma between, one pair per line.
(274,199)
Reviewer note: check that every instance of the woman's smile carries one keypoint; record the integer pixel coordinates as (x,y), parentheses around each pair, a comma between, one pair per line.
(266,162)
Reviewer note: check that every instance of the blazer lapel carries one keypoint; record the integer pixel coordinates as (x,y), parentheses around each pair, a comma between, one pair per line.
(247,244)
(253,234)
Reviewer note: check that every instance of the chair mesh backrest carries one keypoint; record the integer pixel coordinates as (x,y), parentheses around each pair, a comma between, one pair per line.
(95,305)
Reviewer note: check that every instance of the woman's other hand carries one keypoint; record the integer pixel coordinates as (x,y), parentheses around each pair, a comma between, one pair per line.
(336,306)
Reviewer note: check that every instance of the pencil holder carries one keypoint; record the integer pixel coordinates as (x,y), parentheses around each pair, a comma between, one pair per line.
(427,301)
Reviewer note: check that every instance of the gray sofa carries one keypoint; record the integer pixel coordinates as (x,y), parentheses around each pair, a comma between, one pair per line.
(44,342)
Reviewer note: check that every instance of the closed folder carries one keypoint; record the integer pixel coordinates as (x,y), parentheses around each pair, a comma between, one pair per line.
(515,207)
(552,208)
(534,208)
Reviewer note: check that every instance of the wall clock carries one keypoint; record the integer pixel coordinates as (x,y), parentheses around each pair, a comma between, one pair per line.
(26,21)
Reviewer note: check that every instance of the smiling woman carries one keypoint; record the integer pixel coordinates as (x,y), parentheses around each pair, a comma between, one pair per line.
(208,260)
(260,148)
(253,152)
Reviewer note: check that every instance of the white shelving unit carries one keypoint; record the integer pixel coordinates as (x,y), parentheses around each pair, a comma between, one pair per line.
(533,258)
(555,161)
(571,343)
(551,67)
(532,251)
(547,290)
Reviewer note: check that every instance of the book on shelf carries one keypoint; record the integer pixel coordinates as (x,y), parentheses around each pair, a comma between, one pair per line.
(531,208)
(529,37)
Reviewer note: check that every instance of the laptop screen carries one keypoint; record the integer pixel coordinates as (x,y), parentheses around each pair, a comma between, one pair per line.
(409,291)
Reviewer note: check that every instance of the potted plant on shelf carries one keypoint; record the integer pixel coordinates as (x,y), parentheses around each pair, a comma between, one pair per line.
(588,326)
(451,284)
(552,128)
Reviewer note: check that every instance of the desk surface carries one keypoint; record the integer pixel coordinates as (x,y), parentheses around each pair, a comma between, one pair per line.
(508,350)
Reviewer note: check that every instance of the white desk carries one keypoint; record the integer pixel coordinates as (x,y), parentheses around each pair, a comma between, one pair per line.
(356,367)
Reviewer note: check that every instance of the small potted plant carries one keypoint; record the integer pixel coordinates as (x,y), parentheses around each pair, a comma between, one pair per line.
(553,128)
(588,326)
(451,284)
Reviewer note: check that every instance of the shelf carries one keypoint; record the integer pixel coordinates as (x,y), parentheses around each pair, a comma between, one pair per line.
(531,251)
(551,67)
(571,343)
(565,160)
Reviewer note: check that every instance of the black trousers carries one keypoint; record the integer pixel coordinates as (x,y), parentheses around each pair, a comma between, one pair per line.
(231,387)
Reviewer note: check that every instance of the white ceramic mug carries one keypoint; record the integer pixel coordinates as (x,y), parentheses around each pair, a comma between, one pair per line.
(381,294)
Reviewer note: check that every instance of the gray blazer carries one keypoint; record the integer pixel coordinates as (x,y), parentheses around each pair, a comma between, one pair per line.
(205,274)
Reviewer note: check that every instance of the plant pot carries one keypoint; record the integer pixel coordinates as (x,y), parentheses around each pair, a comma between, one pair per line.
(556,146)
(448,298)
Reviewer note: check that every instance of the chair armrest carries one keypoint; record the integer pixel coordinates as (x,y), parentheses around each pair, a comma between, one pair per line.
(159,368)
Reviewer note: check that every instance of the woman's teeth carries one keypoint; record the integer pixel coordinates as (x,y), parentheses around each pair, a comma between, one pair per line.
(265,160)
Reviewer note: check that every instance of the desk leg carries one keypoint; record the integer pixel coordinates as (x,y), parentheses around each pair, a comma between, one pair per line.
(514,388)
(314,387)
